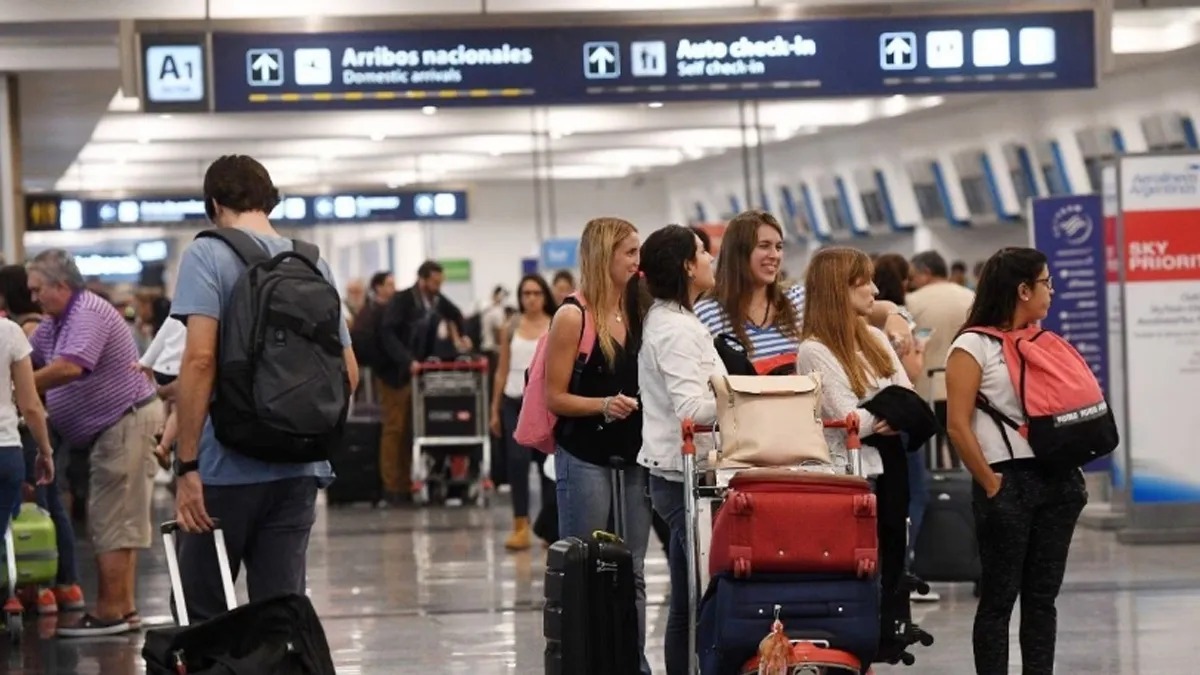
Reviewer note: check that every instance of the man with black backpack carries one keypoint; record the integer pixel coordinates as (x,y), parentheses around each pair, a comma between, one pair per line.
(264,387)
(419,322)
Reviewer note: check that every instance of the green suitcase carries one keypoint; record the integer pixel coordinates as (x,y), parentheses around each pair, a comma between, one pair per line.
(36,548)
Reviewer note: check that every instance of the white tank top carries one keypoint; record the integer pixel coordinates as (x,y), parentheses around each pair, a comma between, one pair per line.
(520,356)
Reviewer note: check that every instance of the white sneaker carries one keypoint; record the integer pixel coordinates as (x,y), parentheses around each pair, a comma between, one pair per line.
(931,596)
(504,489)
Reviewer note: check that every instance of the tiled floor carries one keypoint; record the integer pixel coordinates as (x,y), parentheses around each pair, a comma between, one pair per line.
(432,591)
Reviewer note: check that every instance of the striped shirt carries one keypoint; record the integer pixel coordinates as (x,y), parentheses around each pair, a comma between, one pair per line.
(765,342)
(92,335)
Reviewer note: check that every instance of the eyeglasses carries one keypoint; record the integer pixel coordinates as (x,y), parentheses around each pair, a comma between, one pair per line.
(1049,281)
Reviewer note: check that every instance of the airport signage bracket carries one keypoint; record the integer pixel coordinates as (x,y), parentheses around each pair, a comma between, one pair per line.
(595,64)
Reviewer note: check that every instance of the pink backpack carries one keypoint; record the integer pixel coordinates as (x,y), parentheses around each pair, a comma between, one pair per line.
(535,423)
(1067,420)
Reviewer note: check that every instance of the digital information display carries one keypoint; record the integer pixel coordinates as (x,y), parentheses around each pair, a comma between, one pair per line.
(174,73)
(546,66)
(67,213)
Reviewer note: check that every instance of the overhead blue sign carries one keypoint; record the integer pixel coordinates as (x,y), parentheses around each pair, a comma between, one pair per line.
(1070,231)
(560,254)
(89,214)
(594,64)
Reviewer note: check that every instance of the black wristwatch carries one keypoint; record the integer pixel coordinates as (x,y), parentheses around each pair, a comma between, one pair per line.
(184,468)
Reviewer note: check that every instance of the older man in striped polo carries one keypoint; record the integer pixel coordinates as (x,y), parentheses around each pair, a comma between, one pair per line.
(85,353)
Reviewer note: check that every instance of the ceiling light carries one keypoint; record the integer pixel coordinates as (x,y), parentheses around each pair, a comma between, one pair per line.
(393,185)
(655,104)
(429,110)
(495,153)
(693,152)
(556,135)
(165,116)
(377,137)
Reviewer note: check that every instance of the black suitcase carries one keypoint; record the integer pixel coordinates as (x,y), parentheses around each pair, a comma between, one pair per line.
(947,549)
(356,465)
(280,635)
(590,618)
(356,460)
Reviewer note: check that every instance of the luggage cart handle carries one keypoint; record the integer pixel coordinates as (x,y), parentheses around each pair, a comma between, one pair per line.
(853,440)
(474,364)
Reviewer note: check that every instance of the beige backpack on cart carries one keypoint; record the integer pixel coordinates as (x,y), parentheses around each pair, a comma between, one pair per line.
(770,421)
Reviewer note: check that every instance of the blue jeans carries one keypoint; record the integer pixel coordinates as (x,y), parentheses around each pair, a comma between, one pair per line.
(667,497)
(584,501)
(12,474)
(49,497)
(918,498)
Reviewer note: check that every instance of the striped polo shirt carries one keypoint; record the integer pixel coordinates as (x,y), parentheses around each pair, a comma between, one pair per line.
(765,342)
(92,335)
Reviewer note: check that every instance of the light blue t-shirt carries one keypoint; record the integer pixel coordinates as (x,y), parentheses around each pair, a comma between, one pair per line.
(207,275)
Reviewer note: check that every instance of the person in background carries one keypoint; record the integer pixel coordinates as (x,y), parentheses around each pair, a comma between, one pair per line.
(939,306)
(976,273)
(599,414)
(563,285)
(364,329)
(958,273)
(518,341)
(65,595)
(414,320)
(1025,513)
(492,319)
(356,297)
(83,351)
(675,363)
(891,278)
(161,363)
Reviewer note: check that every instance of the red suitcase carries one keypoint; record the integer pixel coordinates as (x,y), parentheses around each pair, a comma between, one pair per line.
(795,522)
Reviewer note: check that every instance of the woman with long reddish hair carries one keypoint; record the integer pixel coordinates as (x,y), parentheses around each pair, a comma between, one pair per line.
(855,360)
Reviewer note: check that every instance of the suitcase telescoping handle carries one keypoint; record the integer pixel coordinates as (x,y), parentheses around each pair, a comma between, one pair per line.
(618,494)
(169,530)
(853,442)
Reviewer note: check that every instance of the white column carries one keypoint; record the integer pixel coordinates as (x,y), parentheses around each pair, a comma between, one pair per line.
(901,193)
(959,212)
(1002,174)
(12,207)
(1072,160)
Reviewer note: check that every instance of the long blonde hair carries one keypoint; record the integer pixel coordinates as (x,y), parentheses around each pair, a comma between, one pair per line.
(596,249)
(830,318)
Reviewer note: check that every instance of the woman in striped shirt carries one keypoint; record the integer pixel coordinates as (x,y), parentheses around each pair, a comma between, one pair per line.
(753,306)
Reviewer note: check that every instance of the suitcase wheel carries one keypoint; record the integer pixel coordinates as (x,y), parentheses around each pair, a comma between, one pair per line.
(14,624)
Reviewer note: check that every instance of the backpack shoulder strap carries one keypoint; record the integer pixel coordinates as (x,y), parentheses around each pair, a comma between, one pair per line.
(587,333)
(244,246)
(307,250)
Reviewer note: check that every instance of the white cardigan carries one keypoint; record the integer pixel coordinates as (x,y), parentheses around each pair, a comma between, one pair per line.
(839,400)
(676,360)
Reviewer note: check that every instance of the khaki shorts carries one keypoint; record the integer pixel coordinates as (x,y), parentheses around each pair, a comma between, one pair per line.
(121,481)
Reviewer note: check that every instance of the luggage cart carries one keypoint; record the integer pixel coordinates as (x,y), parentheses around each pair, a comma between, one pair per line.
(450,428)
(704,492)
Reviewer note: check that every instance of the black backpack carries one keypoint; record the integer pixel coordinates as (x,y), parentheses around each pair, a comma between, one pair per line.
(282,389)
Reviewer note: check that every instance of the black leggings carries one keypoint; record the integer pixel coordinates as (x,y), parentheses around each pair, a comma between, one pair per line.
(1024,536)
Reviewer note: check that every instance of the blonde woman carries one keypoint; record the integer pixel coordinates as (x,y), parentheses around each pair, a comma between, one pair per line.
(597,401)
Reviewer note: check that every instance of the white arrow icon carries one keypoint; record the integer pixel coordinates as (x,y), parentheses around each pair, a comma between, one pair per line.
(602,59)
(265,64)
(898,50)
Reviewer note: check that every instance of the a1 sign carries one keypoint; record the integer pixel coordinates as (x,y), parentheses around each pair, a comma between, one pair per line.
(174,76)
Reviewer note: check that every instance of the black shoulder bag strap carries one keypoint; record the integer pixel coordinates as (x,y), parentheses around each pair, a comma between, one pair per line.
(247,248)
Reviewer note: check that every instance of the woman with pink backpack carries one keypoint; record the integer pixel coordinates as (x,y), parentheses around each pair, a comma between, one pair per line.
(1025,413)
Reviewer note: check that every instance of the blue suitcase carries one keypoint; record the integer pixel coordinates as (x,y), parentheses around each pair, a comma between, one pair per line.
(736,614)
